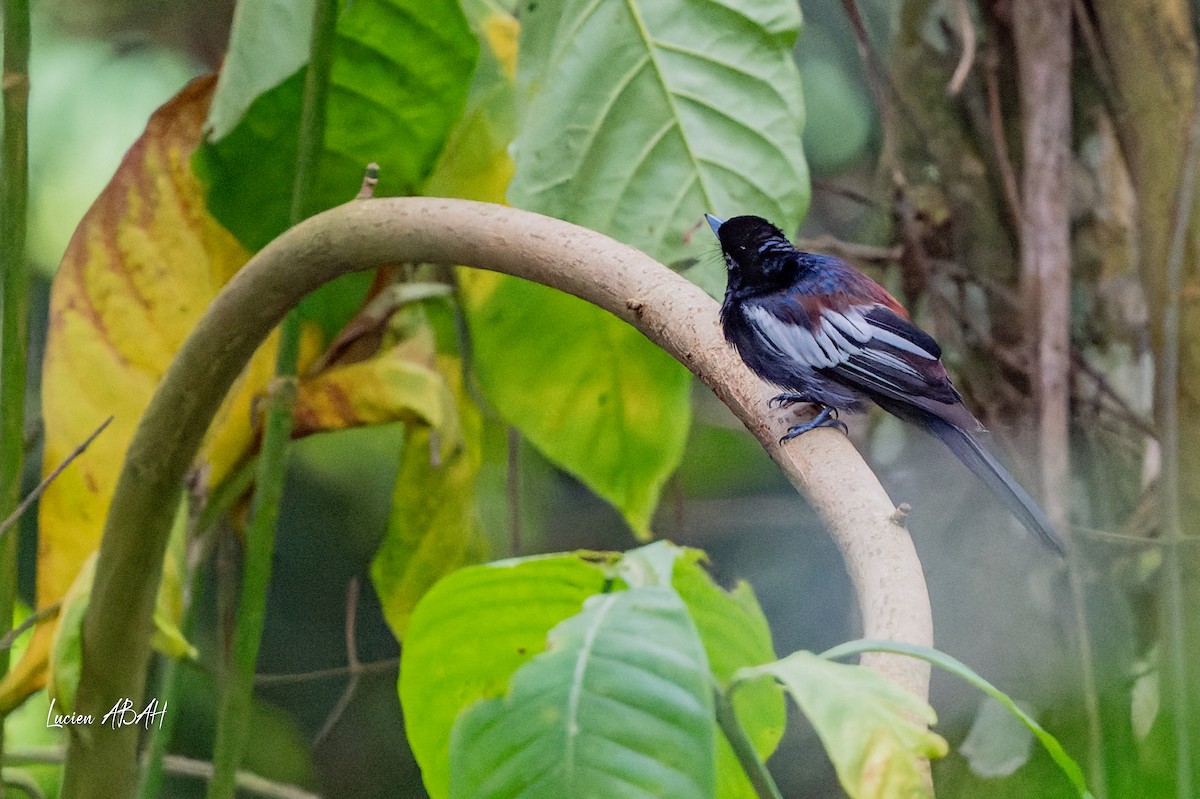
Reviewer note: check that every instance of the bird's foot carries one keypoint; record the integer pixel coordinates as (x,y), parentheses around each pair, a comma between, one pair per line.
(786,400)
(826,418)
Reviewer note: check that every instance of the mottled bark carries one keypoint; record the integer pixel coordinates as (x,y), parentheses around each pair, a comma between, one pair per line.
(1042,31)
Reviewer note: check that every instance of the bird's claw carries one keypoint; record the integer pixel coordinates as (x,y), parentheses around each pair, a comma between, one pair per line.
(826,418)
(785,400)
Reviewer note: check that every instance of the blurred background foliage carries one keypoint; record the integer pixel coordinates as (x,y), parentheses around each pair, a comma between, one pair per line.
(1000,604)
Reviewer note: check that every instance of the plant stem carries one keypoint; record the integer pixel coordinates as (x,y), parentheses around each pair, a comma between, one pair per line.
(234,714)
(14,296)
(272,465)
(218,503)
(157,749)
(755,769)
(157,752)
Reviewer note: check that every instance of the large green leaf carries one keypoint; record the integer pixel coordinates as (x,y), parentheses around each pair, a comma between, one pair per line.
(400,75)
(588,390)
(620,704)
(468,635)
(635,118)
(639,116)
(865,722)
(735,635)
(473,630)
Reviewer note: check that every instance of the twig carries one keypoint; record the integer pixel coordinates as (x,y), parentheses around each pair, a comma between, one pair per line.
(883,88)
(1008,175)
(1007,296)
(389,664)
(33,620)
(353,665)
(245,780)
(37,492)
(830,187)
(967,59)
(1127,539)
(370,178)
(373,317)
(849,249)
(1127,414)
(178,765)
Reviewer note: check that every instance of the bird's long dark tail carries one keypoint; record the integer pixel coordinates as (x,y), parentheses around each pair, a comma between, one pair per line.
(971,452)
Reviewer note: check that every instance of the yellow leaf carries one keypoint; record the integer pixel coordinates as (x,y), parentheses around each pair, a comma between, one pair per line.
(399,384)
(141,268)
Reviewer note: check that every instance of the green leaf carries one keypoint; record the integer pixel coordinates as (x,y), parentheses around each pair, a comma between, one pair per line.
(638,117)
(864,721)
(269,41)
(468,635)
(735,635)
(966,673)
(433,528)
(586,389)
(620,704)
(635,119)
(486,610)
(400,76)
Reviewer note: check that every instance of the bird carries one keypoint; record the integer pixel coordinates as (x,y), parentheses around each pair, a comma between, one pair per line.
(826,334)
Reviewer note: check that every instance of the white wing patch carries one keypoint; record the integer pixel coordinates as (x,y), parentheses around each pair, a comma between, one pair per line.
(852,323)
(855,324)
(839,337)
(795,341)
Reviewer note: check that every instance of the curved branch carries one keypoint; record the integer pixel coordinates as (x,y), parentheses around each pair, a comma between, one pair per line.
(670,311)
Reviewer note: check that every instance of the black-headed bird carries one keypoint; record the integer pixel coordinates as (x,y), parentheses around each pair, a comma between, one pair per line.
(827,334)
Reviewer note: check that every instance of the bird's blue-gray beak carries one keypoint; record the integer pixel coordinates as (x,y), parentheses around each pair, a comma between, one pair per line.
(714,223)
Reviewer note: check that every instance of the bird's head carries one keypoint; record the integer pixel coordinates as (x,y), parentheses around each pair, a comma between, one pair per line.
(757,254)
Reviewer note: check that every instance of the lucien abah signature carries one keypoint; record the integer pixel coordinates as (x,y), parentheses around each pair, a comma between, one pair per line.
(122,714)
